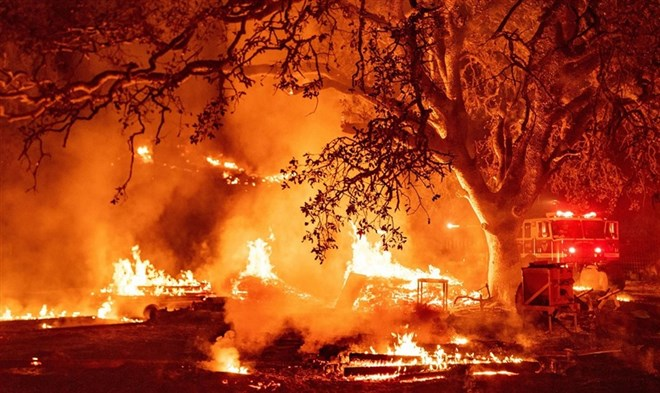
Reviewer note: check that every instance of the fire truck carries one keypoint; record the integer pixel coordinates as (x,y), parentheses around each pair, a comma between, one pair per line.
(557,248)
(574,241)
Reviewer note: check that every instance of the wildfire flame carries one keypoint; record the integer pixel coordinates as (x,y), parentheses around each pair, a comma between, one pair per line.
(141,277)
(225,357)
(44,313)
(105,311)
(260,267)
(259,261)
(138,279)
(372,261)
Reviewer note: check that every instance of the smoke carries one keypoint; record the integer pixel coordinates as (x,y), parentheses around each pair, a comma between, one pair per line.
(59,243)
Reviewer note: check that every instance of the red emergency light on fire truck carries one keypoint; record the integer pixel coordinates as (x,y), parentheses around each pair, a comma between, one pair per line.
(565,238)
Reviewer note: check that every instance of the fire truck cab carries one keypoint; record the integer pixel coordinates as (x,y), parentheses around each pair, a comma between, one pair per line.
(575,241)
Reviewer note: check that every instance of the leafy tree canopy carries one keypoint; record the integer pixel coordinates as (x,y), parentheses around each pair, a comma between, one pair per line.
(515,96)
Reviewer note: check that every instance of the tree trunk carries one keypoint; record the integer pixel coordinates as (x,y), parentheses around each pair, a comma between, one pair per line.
(500,227)
(504,264)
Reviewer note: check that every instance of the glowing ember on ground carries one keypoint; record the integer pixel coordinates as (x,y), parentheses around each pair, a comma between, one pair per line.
(459,340)
(492,373)
(581,288)
(624,297)
(142,278)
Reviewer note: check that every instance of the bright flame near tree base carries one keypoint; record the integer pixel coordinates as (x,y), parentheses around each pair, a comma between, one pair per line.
(391,284)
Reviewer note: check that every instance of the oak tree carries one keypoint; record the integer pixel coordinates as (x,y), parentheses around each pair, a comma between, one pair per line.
(513,97)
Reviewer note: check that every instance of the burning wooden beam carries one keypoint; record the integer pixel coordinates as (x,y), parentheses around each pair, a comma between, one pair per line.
(435,370)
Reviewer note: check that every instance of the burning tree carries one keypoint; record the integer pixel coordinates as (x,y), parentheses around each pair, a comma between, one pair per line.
(511,96)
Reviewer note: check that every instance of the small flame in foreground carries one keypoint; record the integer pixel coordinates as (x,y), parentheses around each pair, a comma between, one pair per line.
(225,357)
(624,297)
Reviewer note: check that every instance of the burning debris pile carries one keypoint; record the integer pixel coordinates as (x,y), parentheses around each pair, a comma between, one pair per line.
(137,279)
(258,274)
(406,360)
(374,281)
(141,278)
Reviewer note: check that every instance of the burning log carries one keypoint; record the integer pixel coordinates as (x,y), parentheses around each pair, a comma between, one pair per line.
(524,367)
(410,371)
(383,358)
(394,371)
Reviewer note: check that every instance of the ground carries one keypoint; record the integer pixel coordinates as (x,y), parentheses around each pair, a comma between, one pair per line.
(614,349)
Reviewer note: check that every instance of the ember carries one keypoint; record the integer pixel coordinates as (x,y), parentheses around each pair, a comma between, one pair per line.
(624,297)
(144,153)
